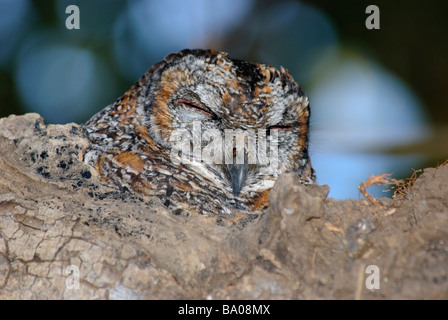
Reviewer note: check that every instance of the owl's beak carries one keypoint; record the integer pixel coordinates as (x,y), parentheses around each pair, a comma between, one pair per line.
(237,174)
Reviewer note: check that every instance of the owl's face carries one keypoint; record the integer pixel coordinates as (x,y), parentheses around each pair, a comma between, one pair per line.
(242,124)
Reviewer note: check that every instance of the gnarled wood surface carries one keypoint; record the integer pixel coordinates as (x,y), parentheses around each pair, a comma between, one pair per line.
(64,235)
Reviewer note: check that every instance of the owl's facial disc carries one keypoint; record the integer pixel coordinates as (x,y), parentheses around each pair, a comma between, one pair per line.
(235,173)
(238,164)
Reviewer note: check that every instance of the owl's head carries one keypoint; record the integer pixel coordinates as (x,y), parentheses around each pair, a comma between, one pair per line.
(197,99)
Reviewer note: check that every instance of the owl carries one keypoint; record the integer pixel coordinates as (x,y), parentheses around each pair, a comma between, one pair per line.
(205,133)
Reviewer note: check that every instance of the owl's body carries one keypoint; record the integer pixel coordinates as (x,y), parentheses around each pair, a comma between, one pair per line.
(203,93)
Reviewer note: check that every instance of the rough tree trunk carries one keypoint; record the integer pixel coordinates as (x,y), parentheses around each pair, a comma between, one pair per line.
(64,235)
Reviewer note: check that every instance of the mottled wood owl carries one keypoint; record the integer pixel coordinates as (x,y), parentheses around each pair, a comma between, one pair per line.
(205,133)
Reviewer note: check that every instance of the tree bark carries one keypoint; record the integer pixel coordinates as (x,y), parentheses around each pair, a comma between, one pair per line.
(64,235)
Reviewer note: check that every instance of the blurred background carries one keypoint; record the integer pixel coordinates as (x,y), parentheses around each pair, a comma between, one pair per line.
(378,97)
